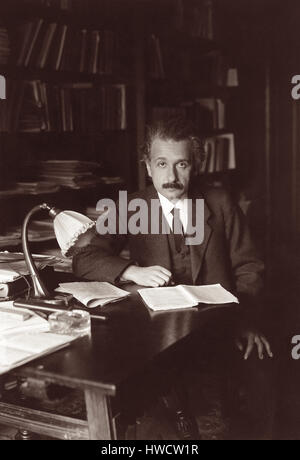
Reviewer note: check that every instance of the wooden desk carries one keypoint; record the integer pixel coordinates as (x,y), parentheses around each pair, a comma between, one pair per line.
(133,338)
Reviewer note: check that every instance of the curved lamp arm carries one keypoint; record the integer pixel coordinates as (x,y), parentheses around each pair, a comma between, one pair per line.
(39,288)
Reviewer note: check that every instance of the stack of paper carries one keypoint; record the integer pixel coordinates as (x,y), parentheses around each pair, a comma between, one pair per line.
(12,265)
(69,173)
(24,336)
(93,293)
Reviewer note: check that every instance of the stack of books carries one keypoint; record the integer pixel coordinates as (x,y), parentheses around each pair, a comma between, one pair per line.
(14,275)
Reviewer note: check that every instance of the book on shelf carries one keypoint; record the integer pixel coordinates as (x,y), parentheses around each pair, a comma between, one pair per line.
(156,61)
(220,154)
(45,48)
(182,296)
(195,17)
(56,46)
(4,46)
(208,114)
(35,106)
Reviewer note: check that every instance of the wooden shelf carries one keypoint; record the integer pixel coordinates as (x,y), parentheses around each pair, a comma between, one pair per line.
(174,88)
(111,16)
(61,76)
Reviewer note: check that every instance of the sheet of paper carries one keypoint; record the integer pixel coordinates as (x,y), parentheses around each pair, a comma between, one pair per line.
(166,298)
(36,342)
(93,293)
(211,293)
(11,325)
(10,356)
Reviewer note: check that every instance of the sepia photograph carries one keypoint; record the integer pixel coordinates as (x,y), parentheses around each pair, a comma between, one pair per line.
(150,222)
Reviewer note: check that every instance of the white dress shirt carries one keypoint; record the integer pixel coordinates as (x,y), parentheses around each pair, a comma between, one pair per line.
(167,208)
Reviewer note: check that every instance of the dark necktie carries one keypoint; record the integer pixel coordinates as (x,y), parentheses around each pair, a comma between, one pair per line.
(177,229)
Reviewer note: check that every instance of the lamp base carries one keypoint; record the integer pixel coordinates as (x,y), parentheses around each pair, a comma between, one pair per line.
(50,305)
(56,303)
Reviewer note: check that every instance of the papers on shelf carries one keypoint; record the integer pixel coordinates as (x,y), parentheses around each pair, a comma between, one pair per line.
(93,293)
(172,298)
(12,265)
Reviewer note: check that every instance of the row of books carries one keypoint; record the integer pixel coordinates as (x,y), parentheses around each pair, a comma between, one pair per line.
(195,17)
(34,106)
(60,47)
(4,46)
(220,154)
(207,113)
(208,68)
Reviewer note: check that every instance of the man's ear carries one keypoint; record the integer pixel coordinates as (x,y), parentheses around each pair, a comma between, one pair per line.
(147,163)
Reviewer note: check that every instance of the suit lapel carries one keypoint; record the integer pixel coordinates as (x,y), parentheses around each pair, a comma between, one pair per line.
(198,251)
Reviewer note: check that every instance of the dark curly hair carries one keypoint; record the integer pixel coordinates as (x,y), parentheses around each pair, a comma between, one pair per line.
(176,129)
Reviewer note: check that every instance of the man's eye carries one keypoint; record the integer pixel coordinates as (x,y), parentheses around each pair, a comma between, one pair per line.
(183,164)
(161,164)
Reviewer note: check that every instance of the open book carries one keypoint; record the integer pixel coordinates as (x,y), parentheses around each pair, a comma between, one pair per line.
(181,296)
(93,293)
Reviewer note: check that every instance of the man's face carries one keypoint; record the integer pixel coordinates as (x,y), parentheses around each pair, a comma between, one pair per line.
(170,167)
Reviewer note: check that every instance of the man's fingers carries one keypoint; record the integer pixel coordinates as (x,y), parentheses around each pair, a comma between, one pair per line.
(267,346)
(163,270)
(239,345)
(249,348)
(260,348)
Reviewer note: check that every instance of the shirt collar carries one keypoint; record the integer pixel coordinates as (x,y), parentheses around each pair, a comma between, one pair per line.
(167,205)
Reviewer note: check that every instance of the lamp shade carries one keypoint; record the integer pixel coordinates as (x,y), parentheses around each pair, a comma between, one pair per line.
(70,227)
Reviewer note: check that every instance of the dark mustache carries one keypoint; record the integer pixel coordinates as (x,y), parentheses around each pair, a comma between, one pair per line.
(174,185)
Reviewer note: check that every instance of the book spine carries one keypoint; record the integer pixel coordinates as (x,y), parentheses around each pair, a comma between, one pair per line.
(33,41)
(61,47)
(47,44)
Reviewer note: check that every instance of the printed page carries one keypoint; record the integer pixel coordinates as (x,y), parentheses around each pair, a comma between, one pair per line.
(166,298)
(93,293)
(36,342)
(211,293)
(11,325)
(10,356)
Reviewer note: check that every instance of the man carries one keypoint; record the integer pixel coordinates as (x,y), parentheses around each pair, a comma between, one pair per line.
(226,255)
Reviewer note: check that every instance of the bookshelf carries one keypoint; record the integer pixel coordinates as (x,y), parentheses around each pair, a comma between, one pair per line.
(71,81)
(85,77)
(189,72)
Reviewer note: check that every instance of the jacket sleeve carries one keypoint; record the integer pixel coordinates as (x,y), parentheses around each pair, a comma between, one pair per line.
(100,259)
(247,266)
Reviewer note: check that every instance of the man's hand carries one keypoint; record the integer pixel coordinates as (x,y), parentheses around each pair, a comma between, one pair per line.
(147,276)
(253,339)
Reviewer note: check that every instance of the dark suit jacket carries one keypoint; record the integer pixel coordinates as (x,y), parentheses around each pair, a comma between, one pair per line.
(226,256)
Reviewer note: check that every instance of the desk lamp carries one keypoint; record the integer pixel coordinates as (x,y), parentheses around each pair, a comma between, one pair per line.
(72,230)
